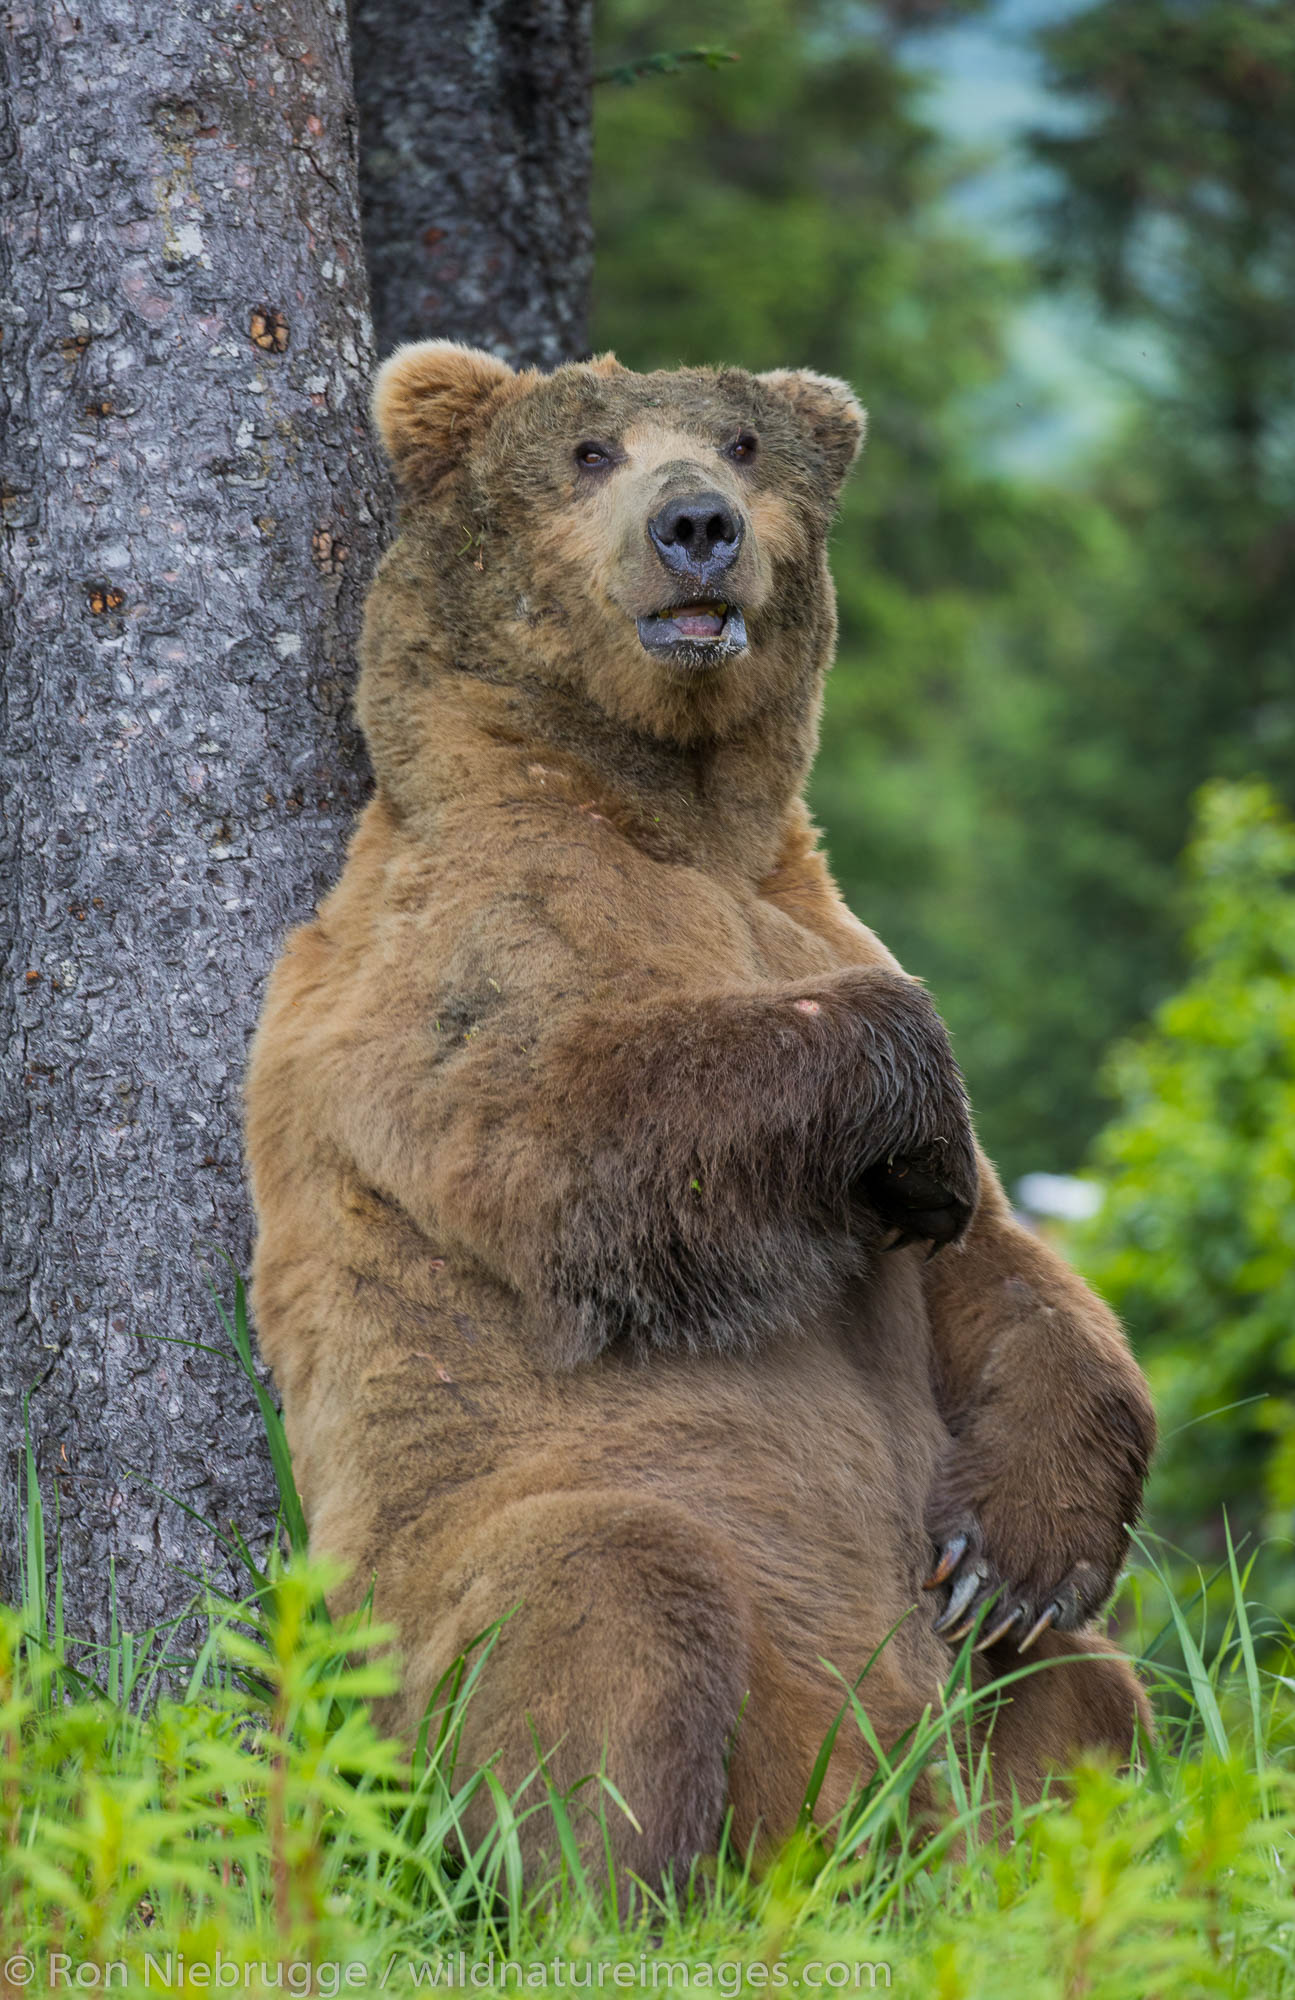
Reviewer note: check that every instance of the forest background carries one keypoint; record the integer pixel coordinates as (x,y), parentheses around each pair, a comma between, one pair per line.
(1053,247)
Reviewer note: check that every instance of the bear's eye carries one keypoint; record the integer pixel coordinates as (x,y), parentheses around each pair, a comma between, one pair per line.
(592,457)
(744,447)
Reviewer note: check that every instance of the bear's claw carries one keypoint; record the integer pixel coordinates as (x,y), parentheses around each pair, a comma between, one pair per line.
(951,1555)
(1048,1617)
(998,1628)
(978,1593)
(964,1593)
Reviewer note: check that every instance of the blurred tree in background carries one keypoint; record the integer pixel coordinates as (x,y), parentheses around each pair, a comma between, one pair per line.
(1034,678)
(1175,210)
(1195,1245)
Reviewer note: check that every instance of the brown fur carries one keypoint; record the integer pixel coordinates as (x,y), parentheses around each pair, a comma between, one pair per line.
(578,1119)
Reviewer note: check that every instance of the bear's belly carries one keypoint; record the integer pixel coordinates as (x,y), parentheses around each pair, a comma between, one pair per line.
(808,1462)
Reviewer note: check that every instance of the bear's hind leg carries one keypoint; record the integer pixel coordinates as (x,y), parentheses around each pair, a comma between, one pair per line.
(1083,1698)
(624,1651)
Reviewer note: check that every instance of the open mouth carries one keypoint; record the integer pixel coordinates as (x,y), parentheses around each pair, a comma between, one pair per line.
(695,633)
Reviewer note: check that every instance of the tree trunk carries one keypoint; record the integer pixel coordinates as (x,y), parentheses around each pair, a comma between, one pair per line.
(474,172)
(192,505)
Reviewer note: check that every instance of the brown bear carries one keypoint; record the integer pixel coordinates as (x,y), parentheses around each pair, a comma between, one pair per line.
(583,1118)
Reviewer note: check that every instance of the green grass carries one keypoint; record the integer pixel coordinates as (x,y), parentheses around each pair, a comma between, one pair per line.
(199,1809)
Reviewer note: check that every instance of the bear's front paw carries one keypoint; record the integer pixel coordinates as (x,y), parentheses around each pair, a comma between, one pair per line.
(917,1201)
(1024,1540)
(916,1167)
(1016,1606)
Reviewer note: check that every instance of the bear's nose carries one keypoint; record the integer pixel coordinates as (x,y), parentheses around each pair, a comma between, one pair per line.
(700,534)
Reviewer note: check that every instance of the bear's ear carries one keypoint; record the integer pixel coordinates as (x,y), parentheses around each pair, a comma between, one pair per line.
(830,410)
(429,400)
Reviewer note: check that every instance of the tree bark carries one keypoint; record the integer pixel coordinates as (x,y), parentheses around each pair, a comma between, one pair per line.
(192,506)
(475,149)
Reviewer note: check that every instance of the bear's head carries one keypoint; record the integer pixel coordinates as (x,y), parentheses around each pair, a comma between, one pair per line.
(654,546)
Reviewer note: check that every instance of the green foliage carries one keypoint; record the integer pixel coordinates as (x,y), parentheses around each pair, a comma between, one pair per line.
(1174,199)
(668,62)
(1174,209)
(1196,1242)
(254,1812)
